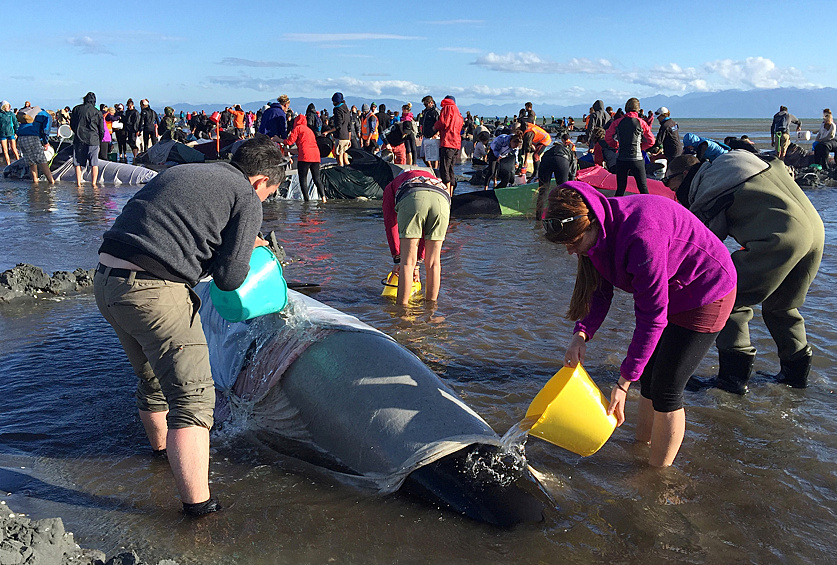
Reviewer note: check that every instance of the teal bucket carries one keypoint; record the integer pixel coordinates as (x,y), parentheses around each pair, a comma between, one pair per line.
(264,291)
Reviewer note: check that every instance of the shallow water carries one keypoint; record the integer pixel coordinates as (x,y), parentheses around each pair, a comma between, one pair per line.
(754,481)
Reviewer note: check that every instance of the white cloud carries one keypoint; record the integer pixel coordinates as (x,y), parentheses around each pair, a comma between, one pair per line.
(236,62)
(327,37)
(755,72)
(89,46)
(533,63)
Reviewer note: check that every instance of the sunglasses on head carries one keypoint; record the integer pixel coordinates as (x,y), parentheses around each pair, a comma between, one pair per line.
(556,225)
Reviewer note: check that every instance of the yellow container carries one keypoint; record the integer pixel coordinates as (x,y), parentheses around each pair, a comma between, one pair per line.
(391,286)
(571,412)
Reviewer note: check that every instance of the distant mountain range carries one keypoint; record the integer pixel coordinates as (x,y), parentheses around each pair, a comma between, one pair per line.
(724,104)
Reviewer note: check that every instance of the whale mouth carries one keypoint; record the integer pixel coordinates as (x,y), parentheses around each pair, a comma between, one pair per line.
(504,495)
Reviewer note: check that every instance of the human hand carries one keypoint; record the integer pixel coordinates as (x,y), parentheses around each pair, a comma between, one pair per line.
(260,242)
(576,350)
(618,396)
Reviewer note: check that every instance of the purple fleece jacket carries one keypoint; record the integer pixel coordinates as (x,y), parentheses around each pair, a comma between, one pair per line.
(661,253)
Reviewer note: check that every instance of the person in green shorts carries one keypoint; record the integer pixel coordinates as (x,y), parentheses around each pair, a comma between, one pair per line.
(422,207)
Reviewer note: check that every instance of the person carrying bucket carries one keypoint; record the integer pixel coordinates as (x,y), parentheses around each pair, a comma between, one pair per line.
(683,283)
(189,221)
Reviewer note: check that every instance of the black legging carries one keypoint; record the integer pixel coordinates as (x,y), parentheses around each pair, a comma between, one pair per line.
(637,170)
(303,168)
(503,168)
(149,138)
(822,150)
(551,164)
(677,355)
(410,146)
(122,142)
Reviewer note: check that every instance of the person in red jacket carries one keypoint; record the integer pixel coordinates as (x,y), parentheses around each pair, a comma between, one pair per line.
(449,125)
(631,135)
(309,156)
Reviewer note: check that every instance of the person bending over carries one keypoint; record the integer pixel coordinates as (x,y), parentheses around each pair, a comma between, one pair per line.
(682,281)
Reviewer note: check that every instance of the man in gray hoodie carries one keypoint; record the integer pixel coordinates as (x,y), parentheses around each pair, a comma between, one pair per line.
(188,222)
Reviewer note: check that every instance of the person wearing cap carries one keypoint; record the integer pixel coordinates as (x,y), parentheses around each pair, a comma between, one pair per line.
(190,221)
(756,202)
(8,131)
(274,122)
(631,136)
(668,137)
(33,139)
(369,128)
(341,121)
(682,282)
(449,126)
(88,132)
(148,124)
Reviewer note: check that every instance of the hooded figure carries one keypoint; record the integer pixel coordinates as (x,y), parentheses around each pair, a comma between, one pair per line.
(86,123)
(757,203)
(598,118)
(168,124)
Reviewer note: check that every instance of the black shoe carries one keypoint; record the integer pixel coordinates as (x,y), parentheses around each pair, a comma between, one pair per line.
(794,372)
(160,454)
(202,508)
(734,371)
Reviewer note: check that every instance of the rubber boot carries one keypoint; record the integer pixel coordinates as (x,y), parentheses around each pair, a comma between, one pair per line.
(734,371)
(794,372)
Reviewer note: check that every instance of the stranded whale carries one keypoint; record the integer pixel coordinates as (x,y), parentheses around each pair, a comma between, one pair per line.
(322,386)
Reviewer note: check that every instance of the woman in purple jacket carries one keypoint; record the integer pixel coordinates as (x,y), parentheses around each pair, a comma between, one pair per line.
(683,283)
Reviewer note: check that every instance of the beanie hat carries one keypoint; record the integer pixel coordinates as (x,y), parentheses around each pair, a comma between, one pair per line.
(337,98)
(364,108)
(449,97)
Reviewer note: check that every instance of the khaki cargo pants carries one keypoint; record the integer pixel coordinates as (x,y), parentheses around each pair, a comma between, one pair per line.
(158,324)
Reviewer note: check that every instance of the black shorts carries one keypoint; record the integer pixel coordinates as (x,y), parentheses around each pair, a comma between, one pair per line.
(85,154)
(447,156)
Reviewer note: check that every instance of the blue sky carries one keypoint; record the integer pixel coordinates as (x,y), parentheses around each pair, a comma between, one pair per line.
(486,51)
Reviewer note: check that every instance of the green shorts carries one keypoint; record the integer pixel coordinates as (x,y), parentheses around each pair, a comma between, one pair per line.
(158,325)
(423,214)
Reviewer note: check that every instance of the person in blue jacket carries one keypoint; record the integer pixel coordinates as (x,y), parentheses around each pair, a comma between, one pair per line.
(274,122)
(703,147)
(33,139)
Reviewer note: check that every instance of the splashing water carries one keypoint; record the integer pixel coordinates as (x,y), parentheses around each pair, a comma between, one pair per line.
(505,464)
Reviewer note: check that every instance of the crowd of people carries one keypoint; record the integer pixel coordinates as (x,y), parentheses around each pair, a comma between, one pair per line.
(689,291)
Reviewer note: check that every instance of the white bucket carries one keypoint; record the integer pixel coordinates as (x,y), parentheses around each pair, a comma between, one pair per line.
(806,135)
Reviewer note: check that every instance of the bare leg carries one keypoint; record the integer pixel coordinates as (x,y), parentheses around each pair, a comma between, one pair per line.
(94,175)
(645,420)
(14,149)
(155,428)
(33,170)
(666,437)
(188,451)
(78,175)
(47,173)
(5,145)
(433,266)
(409,258)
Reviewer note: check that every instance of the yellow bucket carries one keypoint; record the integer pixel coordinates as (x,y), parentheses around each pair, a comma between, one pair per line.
(571,412)
(391,286)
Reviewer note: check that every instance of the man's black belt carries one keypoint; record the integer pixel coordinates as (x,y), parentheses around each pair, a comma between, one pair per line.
(125,273)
